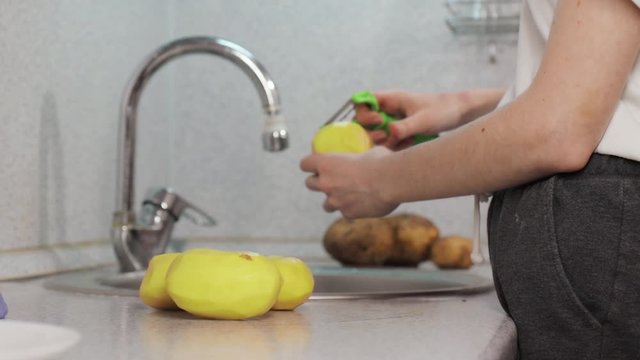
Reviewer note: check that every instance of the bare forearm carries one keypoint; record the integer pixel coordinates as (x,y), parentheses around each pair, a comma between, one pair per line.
(553,127)
(489,154)
(479,102)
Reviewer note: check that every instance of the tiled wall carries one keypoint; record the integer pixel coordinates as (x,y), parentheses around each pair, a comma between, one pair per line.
(64,64)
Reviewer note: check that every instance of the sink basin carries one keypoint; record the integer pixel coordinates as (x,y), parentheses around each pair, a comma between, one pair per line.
(334,282)
(331,282)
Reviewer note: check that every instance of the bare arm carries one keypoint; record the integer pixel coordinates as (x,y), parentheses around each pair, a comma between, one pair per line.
(479,102)
(428,113)
(553,127)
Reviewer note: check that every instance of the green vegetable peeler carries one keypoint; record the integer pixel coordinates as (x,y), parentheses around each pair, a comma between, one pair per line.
(367,98)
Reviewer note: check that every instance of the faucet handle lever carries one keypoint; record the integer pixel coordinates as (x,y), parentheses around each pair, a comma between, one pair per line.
(197,215)
(177,206)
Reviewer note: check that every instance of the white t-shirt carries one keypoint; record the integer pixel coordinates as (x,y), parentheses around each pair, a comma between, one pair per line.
(622,137)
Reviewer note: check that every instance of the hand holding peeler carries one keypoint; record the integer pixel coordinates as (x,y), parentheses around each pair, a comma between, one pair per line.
(346,112)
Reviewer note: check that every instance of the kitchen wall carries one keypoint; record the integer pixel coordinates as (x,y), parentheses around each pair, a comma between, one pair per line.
(63,67)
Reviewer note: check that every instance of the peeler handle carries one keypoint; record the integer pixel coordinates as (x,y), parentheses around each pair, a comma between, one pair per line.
(367,98)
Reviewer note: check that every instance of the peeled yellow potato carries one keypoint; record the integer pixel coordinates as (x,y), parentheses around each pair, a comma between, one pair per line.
(153,291)
(297,282)
(345,136)
(223,285)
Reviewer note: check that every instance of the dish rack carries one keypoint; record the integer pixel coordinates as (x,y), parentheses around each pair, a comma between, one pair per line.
(483,16)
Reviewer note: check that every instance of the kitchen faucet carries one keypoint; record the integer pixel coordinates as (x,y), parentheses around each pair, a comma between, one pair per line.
(136,241)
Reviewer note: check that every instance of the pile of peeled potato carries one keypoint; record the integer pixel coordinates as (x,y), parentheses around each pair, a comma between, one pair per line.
(397,240)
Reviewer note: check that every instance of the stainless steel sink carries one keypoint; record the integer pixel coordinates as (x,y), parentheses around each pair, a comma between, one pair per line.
(331,282)
(335,282)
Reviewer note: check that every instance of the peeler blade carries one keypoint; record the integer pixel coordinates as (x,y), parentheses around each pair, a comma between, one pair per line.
(342,113)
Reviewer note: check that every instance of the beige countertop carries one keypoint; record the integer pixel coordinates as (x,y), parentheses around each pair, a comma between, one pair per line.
(452,327)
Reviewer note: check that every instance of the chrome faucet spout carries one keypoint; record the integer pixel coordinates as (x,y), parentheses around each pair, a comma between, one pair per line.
(134,243)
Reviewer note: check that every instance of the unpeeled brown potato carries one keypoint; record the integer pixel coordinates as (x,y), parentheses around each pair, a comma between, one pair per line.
(452,252)
(360,242)
(413,238)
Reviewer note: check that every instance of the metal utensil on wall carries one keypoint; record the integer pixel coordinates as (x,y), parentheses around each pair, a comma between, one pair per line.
(491,21)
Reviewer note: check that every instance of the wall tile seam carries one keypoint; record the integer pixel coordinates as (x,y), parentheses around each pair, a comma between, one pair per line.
(58,246)
(249,239)
(38,274)
(198,239)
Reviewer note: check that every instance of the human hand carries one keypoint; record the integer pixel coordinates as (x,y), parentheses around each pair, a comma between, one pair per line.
(349,181)
(421,113)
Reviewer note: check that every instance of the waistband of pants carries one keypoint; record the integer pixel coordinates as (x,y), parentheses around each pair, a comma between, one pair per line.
(608,165)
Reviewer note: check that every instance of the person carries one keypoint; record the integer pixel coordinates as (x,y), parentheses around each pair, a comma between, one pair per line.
(561,156)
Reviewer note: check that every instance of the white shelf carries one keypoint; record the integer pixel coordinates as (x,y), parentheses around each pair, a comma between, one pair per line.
(483,16)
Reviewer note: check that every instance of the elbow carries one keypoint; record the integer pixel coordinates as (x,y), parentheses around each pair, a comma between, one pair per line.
(570,116)
(569,147)
(571,131)
(569,157)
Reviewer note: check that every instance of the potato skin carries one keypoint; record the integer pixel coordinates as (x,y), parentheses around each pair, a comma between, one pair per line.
(359,242)
(452,252)
(413,237)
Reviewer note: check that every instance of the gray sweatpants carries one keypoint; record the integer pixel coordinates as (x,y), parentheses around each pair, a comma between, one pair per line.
(565,252)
